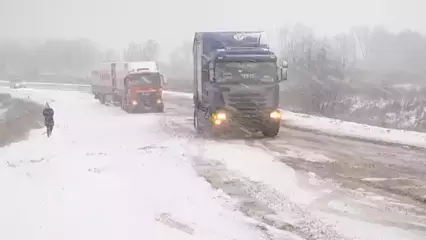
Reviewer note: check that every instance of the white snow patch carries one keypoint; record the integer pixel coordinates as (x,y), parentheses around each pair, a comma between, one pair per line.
(355,229)
(342,206)
(306,155)
(259,166)
(382,179)
(315,180)
(350,129)
(377,198)
(179,94)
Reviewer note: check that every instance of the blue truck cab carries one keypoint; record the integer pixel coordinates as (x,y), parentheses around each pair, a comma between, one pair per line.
(236,83)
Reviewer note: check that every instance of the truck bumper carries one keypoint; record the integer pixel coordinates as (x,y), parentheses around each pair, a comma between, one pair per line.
(139,107)
(238,122)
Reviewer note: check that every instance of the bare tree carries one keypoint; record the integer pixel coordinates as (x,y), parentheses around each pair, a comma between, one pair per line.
(362,36)
(150,50)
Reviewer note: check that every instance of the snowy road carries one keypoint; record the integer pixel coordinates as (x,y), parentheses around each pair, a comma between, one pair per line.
(352,182)
(106,174)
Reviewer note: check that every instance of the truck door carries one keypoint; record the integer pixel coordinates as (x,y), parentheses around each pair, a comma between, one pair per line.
(199,69)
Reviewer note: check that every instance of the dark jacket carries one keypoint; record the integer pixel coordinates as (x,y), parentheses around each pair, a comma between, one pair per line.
(48,116)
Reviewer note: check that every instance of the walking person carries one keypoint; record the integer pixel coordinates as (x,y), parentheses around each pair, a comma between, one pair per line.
(48,119)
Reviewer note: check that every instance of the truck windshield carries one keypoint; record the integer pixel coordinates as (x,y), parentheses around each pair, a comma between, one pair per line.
(146,79)
(227,72)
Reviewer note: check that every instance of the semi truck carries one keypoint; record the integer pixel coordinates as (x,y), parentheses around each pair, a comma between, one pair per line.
(236,83)
(101,81)
(135,86)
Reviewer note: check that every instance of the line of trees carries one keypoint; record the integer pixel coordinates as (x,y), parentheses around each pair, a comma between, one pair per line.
(367,75)
(375,49)
(66,57)
(59,58)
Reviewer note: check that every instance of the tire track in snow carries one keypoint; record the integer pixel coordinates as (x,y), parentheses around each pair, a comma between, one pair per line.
(255,200)
(383,212)
(264,203)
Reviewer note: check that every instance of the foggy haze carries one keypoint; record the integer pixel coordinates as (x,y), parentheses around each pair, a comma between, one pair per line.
(351,60)
(318,134)
(114,24)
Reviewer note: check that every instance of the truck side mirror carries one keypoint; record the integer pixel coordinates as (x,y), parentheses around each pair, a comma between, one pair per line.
(283,71)
(163,79)
(283,74)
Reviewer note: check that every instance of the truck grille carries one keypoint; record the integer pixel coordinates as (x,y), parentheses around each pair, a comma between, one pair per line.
(247,105)
(147,97)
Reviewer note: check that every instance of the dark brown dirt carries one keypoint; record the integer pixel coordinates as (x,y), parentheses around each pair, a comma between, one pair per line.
(20,117)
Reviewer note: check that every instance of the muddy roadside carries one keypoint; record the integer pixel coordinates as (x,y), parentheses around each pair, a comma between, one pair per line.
(17,118)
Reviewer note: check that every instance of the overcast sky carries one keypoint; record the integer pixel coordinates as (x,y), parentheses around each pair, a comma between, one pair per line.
(116,23)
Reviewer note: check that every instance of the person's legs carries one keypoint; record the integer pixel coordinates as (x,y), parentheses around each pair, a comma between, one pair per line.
(49,130)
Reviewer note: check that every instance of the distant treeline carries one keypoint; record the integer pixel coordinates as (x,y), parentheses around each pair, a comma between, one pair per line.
(370,49)
(71,60)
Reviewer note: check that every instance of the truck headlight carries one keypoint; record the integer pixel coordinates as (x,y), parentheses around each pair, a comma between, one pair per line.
(134,102)
(220,116)
(275,114)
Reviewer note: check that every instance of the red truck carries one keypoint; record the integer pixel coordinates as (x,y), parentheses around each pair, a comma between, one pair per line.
(136,86)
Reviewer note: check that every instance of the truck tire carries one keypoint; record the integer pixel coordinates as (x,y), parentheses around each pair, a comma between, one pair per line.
(123,104)
(161,109)
(271,130)
(127,108)
(197,126)
(102,98)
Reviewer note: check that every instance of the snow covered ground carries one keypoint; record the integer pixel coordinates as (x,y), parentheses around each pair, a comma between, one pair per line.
(347,129)
(105,174)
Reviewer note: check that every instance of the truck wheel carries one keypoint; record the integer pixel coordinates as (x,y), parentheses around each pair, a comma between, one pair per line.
(197,126)
(271,131)
(160,108)
(127,108)
(102,98)
(123,104)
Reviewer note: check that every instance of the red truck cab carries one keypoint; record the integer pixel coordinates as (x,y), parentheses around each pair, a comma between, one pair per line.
(143,91)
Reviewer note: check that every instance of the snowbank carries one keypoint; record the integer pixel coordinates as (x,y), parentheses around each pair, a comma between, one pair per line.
(345,129)
(354,130)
